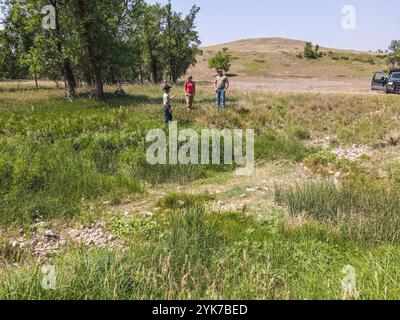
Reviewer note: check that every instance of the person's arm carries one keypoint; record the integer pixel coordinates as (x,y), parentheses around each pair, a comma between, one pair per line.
(186,87)
(215,85)
(194,87)
(227,85)
(174,96)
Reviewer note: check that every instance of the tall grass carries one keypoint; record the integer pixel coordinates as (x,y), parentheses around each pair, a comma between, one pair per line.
(201,256)
(272,146)
(367,214)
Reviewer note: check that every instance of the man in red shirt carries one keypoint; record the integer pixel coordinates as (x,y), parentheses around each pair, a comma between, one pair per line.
(190,91)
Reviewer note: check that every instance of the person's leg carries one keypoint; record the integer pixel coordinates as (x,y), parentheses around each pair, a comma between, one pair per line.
(170,116)
(191,101)
(218,99)
(188,101)
(167,115)
(223,98)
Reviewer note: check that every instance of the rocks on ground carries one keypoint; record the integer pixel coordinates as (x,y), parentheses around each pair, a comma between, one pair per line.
(353,153)
(45,242)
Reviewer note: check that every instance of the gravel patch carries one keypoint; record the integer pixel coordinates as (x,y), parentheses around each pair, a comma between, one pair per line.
(45,242)
(353,153)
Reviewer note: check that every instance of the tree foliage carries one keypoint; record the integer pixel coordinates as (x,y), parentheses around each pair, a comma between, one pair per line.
(222,60)
(97,42)
(394,56)
(311,51)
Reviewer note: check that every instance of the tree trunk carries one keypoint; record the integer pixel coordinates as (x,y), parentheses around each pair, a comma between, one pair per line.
(36,82)
(69,78)
(66,70)
(94,63)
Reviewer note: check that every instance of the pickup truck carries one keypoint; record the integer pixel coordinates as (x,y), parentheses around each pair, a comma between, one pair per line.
(387,83)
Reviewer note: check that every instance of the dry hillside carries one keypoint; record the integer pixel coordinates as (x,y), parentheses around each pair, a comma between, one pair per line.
(273,63)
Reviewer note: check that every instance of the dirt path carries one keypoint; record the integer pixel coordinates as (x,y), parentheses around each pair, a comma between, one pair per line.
(299,84)
(232,192)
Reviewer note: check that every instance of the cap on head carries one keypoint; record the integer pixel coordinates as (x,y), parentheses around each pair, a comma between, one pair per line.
(167,87)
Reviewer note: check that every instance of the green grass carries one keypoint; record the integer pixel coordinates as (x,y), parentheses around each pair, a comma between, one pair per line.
(63,161)
(57,157)
(204,256)
(181,200)
(272,147)
(361,210)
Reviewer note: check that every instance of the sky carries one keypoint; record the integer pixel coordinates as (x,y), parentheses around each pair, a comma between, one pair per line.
(220,21)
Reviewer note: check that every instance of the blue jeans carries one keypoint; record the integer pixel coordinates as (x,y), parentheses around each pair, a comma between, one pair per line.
(167,114)
(221,100)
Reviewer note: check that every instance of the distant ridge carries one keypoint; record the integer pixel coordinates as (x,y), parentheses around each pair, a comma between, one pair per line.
(267,45)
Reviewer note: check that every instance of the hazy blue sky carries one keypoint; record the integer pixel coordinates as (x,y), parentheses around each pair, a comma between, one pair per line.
(378,21)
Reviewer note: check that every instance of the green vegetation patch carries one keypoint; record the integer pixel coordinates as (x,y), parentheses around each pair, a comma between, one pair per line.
(363,210)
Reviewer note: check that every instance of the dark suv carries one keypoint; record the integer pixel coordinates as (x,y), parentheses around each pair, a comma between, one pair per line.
(393,83)
(386,83)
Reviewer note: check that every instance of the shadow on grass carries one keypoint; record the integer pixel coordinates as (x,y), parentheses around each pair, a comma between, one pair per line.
(26,89)
(113,101)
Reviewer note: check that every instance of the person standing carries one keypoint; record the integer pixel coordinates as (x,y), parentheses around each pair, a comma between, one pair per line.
(167,104)
(190,91)
(221,86)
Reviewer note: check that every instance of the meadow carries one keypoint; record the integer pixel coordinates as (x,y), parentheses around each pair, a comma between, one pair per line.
(324,196)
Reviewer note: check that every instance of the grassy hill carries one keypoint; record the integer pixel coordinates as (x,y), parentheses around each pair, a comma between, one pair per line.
(278,57)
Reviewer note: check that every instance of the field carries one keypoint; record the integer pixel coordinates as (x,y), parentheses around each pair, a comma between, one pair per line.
(77,194)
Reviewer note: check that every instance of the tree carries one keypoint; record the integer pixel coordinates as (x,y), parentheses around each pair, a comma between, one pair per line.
(86,11)
(39,52)
(311,52)
(151,26)
(393,57)
(97,41)
(394,45)
(181,42)
(10,66)
(16,39)
(222,60)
